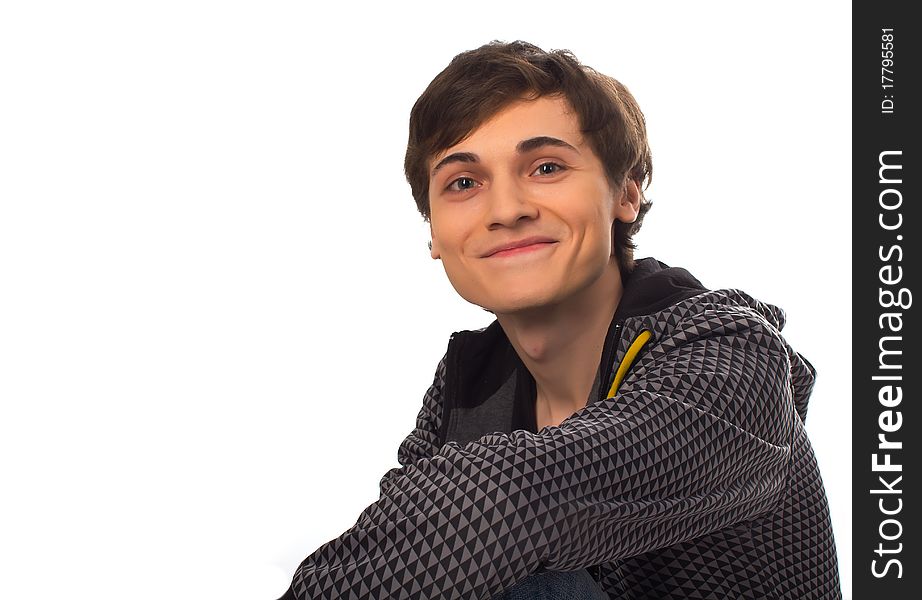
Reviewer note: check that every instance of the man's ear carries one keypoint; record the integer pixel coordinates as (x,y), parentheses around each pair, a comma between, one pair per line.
(627,201)
(433,245)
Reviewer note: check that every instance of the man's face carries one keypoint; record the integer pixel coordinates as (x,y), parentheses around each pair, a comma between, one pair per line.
(525,177)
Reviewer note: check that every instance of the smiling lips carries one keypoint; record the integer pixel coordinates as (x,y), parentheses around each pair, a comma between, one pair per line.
(520,246)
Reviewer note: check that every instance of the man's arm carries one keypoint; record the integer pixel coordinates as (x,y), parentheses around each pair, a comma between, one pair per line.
(697,438)
(423,441)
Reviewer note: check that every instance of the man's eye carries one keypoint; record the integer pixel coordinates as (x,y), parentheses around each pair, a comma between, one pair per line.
(461,183)
(549,168)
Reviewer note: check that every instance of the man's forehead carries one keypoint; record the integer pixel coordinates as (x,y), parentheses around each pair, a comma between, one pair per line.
(523,120)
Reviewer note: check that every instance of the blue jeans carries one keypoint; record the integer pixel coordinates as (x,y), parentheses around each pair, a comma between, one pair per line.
(555,585)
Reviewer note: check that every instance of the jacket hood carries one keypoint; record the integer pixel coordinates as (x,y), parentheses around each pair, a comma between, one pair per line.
(488,383)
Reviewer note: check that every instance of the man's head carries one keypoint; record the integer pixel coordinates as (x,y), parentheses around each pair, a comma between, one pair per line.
(474,134)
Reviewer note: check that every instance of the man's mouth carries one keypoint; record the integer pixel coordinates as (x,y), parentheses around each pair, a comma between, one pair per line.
(522,246)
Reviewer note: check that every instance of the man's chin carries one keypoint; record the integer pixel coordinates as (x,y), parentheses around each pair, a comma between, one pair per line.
(520,305)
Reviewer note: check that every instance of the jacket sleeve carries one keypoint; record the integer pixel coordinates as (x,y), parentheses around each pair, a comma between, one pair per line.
(697,438)
(423,441)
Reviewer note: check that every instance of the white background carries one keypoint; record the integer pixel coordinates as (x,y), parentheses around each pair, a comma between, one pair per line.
(218,315)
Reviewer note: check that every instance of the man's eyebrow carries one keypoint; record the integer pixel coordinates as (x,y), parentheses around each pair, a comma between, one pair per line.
(468,157)
(542,140)
(521,148)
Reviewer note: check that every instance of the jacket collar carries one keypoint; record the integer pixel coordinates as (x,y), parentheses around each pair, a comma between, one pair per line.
(652,286)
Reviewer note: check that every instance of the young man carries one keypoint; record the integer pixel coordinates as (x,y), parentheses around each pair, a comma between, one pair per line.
(618,422)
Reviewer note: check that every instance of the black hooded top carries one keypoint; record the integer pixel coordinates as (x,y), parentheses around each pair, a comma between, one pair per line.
(688,474)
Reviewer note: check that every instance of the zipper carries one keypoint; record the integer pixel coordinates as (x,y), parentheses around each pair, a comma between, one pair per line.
(448,395)
(609,371)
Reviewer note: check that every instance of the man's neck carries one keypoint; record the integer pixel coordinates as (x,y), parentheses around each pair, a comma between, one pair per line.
(561,345)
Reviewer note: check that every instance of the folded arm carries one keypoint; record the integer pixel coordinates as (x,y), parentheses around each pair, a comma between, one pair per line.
(696,439)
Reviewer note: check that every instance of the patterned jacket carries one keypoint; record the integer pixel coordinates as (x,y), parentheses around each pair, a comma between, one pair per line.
(688,474)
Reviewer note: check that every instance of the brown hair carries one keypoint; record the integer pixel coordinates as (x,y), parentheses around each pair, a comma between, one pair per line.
(479,83)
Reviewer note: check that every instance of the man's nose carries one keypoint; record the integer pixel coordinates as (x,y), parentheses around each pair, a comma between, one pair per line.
(508,203)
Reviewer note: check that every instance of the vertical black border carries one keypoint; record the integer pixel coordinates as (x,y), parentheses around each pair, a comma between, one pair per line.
(874,248)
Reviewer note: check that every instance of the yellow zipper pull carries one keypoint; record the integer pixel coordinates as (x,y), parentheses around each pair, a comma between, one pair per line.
(628,360)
